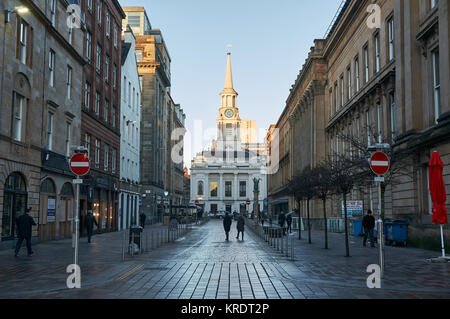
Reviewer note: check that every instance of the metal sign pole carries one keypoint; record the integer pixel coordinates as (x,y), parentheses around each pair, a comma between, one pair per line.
(380,231)
(77,220)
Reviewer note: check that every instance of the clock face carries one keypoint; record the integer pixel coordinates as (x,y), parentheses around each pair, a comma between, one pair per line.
(229,113)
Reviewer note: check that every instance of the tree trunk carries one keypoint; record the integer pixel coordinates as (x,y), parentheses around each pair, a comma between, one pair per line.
(309,224)
(324,201)
(299,222)
(347,249)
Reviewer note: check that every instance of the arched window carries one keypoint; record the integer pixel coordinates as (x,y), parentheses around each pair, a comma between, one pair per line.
(15,182)
(67,190)
(200,188)
(48,186)
(234,101)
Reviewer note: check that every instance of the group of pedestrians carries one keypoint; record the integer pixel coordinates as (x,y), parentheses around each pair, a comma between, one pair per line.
(227,221)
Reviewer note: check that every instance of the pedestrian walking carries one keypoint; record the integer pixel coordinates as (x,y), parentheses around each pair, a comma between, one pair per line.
(368,225)
(262,219)
(240,226)
(227,224)
(90,221)
(142,218)
(289,223)
(24,227)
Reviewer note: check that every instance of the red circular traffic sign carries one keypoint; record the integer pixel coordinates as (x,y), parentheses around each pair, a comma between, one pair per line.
(79,164)
(379,163)
(248,202)
(197,203)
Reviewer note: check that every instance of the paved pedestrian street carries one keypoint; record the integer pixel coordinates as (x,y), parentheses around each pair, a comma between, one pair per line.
(202,265)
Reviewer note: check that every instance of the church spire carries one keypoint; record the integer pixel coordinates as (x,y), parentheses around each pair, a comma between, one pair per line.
(229,75)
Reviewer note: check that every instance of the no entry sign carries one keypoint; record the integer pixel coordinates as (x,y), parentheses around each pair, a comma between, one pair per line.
(379,163)
(248,202)
(79,164)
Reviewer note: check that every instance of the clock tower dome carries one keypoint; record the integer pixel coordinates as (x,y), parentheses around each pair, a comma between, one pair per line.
(228,122)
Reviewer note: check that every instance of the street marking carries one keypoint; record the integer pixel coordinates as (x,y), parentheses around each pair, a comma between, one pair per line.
(130,272)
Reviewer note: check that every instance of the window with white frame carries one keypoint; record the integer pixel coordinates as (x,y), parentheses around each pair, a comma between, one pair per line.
(97,153)
(51,68)
(99,58)
(99,12)
(436,85)
(23,42)
(97,103)
(88,46)
(392,109)
(391,38)
(330,91)
(108,24)
(19,118)
(50,116)
(107,68)
(87,143)
(356,74)
(89,5)
(106,110)
(115,34)
(342,90)
(379,122)
(53,11)
(69,82)
(336,97)
(377,52)
(68,136)
(87,95)
(368,128)
(114,76)
(349,82)
(366,64)
(106,157)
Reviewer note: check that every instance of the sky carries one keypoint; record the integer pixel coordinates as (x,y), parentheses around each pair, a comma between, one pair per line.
(270,43)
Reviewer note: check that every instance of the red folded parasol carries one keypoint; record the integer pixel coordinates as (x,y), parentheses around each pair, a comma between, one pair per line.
(437,190)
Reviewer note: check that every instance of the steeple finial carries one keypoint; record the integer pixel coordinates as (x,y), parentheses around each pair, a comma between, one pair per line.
(229,76)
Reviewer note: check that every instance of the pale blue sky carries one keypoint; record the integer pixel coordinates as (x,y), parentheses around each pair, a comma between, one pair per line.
(270,39)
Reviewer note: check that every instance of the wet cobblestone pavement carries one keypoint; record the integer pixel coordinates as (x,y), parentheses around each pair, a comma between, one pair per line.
(202,265)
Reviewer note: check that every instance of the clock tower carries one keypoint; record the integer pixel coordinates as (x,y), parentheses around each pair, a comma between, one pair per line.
(228,122)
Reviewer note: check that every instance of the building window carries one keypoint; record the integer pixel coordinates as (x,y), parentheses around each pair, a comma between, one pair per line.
(97,103)
(139,55)
(69,82)
(22,44)
(213,188)
(391,38)
(106,110)
(379,122)
(113,160)
(115,34)
(331,101)
(124,88)
(108,24)
(87,143)
(99,12)
(107,68)
(113,116)
(336,97)
(349,82)
(68,136)
(356,74)
(377,52)
(392,107)
(200,188)
(433,3)
(368,128)
(87,95)
(52,11)
(129,94)
(114,76)
(88,46)
(70,36)
(97,153)
(50,131)
(436,85)
(243,189)
(19,118)
(366,64)
(99,58)
(51,67)
(342,90)
(106,157)
(228,189)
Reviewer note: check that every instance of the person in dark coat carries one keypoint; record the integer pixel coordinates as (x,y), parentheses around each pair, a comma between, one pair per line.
(240,226)
(368,224)
(262,218)
(24,227)
(289,222)
(142,218)
(227,220)
(90,221)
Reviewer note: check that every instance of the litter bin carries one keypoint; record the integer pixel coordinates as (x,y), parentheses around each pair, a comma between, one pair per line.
(357,228)
(396,232)
(136,233)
